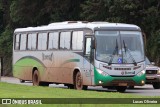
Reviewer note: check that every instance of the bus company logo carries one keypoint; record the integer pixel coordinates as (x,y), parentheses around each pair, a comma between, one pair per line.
(47,57)
(122,72)
(128,73)
(6,101)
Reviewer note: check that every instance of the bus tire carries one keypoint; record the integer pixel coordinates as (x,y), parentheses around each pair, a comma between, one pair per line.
(156,85)
(78,83)
(36,78)
(121,89)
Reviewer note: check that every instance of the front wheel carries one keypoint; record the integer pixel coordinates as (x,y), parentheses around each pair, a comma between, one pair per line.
(156,85)
(78,83)
(36,80)
(121,88)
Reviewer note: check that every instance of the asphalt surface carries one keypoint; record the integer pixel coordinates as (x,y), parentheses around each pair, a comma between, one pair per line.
(146,90)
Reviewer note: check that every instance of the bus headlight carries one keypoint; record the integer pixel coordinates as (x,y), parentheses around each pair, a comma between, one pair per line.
(158,72)
(102,72)
(141,73)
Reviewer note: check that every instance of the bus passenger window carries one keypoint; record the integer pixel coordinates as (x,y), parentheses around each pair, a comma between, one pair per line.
(23,42)
(32,38)
(65,39)
(77,40)
(42,41)
(53,40)
(17,40)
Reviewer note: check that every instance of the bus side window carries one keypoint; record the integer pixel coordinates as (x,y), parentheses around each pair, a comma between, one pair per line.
(17,40)
(32,38)
(53,40)
(23,42)
(77,40)
(42,41)
(65,38)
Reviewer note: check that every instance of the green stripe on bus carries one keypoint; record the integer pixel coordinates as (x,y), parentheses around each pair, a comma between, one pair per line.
(25,65)
(98,77)
(71,60)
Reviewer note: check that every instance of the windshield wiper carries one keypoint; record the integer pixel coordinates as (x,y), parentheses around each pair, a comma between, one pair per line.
(114,52)
(127,50)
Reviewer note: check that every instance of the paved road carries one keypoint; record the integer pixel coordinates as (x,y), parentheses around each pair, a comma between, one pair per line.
(146,90)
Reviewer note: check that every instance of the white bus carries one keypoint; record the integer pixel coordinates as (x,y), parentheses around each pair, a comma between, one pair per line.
(80,54)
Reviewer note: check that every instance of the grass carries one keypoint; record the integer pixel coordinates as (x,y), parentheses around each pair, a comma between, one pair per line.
(21,91)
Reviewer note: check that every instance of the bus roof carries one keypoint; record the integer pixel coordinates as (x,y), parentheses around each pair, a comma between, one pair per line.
(76,24)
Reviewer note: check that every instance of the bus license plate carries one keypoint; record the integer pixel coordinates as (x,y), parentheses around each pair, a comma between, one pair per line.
(150,78)
(122,84)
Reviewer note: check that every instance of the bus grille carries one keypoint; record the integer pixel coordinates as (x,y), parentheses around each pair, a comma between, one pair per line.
(122,68)
(151,71)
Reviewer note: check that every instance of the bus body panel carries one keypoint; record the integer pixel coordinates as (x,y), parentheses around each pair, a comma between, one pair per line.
(51,69)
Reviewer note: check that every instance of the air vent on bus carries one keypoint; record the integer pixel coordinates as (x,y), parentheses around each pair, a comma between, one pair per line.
(66,22)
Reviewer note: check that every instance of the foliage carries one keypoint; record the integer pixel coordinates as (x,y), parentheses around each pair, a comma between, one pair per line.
(6,50)
(1,18)
(94,10)
(153,46)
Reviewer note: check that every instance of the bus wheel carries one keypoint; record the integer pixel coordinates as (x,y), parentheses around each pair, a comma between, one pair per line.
(156,85)
(22,81)
(121,88)
(78,84)
(35,78)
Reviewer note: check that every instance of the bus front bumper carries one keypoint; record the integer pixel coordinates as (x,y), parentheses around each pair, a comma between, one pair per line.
(107,80)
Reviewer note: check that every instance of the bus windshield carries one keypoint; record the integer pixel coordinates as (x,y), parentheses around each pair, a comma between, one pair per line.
(119,46)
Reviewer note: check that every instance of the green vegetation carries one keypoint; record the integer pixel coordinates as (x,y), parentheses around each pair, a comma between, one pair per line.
(21,91)
(24,13)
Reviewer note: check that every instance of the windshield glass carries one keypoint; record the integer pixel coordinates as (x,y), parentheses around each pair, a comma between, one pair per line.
(147,61)
(119,46)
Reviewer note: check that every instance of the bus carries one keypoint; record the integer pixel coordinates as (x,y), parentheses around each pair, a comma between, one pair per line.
(79,54)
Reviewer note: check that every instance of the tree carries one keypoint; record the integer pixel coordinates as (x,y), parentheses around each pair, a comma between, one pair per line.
(94,10)
(153,47)
(6,50)
(64,10)
(28,13)
(1,17)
